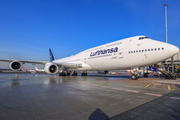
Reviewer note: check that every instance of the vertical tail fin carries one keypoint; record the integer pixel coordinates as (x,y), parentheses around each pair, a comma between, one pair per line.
(36,68)
(51,55)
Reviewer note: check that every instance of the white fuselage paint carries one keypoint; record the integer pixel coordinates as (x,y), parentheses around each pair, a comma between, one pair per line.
(131,52)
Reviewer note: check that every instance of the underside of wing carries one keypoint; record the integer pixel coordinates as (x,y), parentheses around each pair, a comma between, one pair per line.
(69,65)
(17,64)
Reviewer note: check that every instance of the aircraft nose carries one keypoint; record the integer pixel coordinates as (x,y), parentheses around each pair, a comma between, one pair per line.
(173,50)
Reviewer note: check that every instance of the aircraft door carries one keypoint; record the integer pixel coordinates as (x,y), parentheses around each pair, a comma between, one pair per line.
(145,56)
(121,53)
(85,59)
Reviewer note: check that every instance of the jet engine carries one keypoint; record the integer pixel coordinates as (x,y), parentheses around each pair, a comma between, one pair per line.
(15,65)
(103,72)
(51,68)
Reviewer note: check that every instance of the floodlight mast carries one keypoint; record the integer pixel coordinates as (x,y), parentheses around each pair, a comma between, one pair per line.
(172,59)
(166,21)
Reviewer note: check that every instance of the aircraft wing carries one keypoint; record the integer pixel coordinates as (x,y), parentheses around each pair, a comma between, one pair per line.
(66,65)
(24,61)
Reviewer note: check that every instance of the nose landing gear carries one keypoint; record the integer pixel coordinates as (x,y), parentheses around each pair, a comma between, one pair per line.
(135,77)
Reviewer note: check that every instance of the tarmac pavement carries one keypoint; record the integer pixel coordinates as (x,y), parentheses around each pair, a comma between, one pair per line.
(93,97)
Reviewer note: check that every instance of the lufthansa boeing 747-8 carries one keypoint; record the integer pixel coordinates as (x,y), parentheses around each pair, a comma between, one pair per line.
(127,53)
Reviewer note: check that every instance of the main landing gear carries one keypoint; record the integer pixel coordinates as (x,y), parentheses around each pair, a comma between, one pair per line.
(64,74)
(83,74)
(74,74)
(145,75)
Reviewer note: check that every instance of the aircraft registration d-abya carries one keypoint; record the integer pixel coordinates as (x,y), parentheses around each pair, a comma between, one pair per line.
(127,53)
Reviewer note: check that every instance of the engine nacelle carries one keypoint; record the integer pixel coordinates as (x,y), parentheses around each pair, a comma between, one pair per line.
(51,68)
(15,65)
(102,72)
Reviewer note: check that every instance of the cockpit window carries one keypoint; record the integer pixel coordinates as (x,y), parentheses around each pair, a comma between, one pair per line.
(143,38)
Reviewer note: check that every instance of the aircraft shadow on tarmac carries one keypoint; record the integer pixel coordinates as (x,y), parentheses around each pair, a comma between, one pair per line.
(160,108)
(113,76)
(60,79)
(98,114)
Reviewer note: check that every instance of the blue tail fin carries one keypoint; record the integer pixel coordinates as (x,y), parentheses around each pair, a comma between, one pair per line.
(51,55)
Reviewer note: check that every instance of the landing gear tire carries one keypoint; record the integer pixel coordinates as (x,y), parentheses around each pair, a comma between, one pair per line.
(83,74)
(60,74)
(145,75)
(134,77)
(64,74)
(68,74)
(74,74)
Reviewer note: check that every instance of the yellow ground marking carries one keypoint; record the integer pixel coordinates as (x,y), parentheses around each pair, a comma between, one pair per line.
(147,85)
(169,88)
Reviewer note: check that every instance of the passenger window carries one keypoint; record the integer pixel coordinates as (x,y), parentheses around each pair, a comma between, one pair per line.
(151,49)
(158,48)
(136,50)
(155,49)
(139,50)
(162,48)
(142,50)
(145,50)
(148,49)
(131,51)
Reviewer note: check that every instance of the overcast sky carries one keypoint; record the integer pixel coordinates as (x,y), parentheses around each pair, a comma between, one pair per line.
(28,28)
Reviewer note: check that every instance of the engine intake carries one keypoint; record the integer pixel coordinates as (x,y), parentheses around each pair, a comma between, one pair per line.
(15,65)
(51,68)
